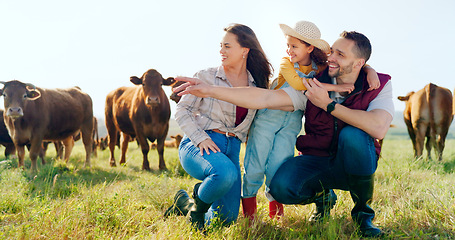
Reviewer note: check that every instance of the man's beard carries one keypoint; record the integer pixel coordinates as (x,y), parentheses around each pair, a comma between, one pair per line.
(342,71)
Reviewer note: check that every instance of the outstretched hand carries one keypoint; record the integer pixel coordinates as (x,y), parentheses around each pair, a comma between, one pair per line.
(192,86)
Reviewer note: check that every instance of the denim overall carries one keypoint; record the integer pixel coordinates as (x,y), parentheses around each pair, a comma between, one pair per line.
(271,140)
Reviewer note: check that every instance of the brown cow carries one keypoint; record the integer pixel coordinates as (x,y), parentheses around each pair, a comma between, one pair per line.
(174,143)
(103,144)
(140,111)
(5,139)
(428,113)
(36,114)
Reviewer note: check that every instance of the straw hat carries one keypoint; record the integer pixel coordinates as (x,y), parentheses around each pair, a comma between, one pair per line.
(308,32)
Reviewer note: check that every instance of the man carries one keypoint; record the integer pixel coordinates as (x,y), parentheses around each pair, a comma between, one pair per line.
(339,149)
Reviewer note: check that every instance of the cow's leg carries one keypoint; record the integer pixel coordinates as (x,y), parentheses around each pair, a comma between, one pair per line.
(112,141)
(145,150)
(94,148)
(441,139)
(87,139)
(35,148)
(95,137)
(160,149)
(42,153)
(68,144)
(412,135)
(44,147)
(125,141)
(420,131)
(58,149)
(10,150)
(429,143)
(20,155)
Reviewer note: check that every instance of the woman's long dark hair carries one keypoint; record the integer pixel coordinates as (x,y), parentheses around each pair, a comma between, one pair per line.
(257,63)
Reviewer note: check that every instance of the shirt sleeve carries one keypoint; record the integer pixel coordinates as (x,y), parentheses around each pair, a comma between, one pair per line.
(290,75)
(298,99)
(384,100)
(186,115)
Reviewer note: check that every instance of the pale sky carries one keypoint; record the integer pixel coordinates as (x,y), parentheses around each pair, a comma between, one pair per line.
(98,44)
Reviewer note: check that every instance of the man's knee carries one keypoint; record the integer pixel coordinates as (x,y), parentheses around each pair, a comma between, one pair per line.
(357,150)
(278,191)
(354,138)
(282,190)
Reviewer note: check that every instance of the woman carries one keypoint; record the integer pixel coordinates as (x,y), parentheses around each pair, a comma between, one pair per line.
(215,129)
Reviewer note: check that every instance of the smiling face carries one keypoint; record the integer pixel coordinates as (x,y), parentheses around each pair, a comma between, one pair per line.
(232,53)
(342,61)
(298,51)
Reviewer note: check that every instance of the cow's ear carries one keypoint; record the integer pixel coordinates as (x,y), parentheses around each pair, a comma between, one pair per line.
(136,80)
(33,94)
(168,81)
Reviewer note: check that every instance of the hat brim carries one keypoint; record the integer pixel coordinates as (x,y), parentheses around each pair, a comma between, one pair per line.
(319,43)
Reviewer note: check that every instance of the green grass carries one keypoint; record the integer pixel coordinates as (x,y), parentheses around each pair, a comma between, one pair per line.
(414,199)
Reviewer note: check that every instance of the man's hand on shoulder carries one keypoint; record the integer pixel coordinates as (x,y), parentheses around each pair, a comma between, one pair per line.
(316,93)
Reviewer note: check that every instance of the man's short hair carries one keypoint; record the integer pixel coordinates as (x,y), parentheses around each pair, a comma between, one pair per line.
(362,45)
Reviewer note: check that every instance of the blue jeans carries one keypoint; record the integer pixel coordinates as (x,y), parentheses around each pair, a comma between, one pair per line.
(219,173)
(301,177)
(271,141)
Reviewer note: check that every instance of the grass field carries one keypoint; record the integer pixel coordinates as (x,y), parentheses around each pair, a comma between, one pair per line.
(414,199)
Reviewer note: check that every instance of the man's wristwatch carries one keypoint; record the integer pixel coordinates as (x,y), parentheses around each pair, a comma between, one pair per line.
(331,107)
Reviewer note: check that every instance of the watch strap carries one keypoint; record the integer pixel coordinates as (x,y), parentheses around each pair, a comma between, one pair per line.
(331,107)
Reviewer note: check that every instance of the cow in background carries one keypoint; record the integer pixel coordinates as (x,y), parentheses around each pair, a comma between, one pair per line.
(104,141)
(5,139)
(141,111)
(173,143)
(428,113)
(66,145)
(95,137)
(36,114)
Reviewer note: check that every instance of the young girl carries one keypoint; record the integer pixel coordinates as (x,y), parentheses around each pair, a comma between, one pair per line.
(214,130)
(273,133)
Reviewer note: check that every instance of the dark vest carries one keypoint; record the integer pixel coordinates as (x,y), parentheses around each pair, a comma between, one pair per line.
(322,129)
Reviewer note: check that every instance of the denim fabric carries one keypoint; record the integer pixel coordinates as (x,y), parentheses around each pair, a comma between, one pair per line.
(301,177)
(219,173)
(311,74)
(271,141)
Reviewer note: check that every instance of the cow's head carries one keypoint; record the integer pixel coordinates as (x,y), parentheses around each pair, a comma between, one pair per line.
(103,143)
(151,82)
(16,94)
(178,138)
